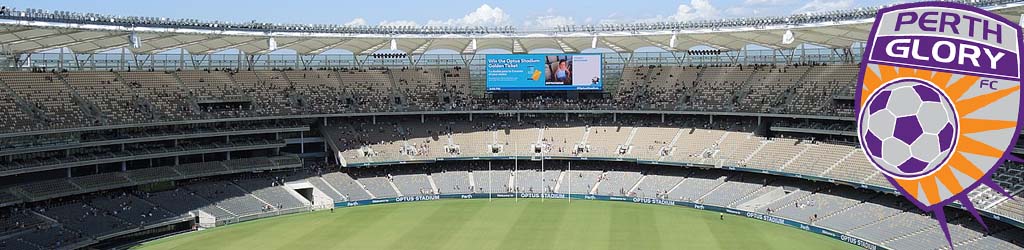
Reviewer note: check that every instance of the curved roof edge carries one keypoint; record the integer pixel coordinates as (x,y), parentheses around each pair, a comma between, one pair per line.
(85,33)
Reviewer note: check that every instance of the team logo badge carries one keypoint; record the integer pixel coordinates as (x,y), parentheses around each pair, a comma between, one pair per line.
(939,101)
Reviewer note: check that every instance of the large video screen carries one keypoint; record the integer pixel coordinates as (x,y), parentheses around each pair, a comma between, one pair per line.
(539,72)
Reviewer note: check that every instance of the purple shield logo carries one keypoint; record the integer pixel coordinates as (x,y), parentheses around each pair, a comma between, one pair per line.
(939,100)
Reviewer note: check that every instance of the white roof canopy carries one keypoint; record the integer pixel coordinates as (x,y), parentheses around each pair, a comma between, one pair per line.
(25,36)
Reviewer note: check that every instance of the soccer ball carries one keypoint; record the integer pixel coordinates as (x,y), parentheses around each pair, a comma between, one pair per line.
(908,128)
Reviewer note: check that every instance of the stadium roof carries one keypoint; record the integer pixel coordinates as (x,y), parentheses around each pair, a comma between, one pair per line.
(34,30)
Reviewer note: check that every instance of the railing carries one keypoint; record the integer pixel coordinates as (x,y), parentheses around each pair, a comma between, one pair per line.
(135,154)
(170,61)
(147,137)
(260,215)
(56,193)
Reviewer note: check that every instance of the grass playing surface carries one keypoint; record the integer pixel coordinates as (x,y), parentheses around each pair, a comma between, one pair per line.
(503,224)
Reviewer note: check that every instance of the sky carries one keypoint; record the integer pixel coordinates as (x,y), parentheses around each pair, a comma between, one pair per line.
(522,13)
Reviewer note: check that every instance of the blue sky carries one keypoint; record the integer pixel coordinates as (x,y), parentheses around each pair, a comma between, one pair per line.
(522,13)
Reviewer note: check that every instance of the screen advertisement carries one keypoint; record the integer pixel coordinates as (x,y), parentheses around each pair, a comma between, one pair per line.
(540,72)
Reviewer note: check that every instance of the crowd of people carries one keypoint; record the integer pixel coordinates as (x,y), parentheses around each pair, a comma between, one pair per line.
(272,93)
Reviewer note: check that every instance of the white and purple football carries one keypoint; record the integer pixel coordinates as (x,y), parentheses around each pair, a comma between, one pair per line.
(908,128)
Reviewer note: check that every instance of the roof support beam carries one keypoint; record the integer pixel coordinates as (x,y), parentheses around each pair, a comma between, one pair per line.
(470,47)
(684,39)
(566,47)
(197,64)
(375,48)
(118,44)
(468,59)
(70,43)
(830,37)
(855,33)
(360,62)
(305,63)
(281,46)
(703,42)
(34,39)
(789,58)
(328,47)
(141,64)
(182,46)
(518,48)
(250,60)
(613,46)
(657,44)
(678,56)
(43,36)
(423,47)
(229,45)
(749,41)
(14,30)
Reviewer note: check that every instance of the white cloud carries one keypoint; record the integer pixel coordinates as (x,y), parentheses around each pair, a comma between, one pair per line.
(610,21)
(613,18)
(358,21)
(549,20)
(398,23)
(696,10)
(752,8)
(689,10)
(485,15)
(742,11)
(823,5)
(768,2)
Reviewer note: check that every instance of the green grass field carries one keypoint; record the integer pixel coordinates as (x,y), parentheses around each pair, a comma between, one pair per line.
(503,224)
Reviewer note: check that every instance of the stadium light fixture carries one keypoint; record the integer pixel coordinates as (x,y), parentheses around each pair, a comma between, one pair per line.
(672,41)
(760,23)
(134,40)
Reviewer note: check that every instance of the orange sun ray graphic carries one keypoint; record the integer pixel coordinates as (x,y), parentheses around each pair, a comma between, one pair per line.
(927,188)
(973,104)
(970,125)
(958,88)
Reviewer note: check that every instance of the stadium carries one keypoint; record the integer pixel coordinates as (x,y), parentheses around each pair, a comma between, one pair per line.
(125,132)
